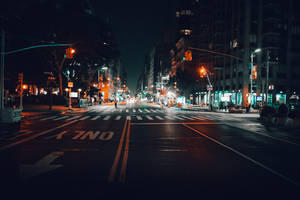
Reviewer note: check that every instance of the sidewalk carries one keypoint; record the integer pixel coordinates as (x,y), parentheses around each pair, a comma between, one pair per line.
(30,110)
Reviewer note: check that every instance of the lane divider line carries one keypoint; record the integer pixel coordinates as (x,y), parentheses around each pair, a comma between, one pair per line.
(113,169)
(246,157)
(35,136)
(125,156)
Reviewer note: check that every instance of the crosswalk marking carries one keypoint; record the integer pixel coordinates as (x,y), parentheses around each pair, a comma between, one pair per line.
(48,118)
(128,117)
(127,110)
(139,118)
(134,110)
(186,117)
(158,117)
(154,111)
(148,117)
(94,118)
(168,117)
(118,117)
(83,118)
(147,110)
(178,118)
(140,111)
(199,118)
(75,117)
(107,117)
(60,118)
(120,110)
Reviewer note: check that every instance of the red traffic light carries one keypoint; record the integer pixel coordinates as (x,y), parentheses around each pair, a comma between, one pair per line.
(70,53)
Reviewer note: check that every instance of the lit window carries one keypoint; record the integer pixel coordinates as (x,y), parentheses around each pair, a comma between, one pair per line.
(177,14)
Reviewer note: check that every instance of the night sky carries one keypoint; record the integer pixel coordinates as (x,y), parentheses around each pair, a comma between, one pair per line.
(137,25)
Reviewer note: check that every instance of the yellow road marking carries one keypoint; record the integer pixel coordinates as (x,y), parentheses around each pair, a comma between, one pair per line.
(113,169)
(125,157)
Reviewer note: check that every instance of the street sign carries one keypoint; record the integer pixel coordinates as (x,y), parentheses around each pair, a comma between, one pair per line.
(70,84)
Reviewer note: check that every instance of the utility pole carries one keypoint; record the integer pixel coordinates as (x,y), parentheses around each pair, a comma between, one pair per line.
(2,69)
(267,81)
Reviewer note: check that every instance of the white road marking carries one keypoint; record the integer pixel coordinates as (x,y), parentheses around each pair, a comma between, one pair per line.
(120,110)
(58,136)
(42,166)
(107,117)
(43,119)
(246,157)
(94,118)
(60,118)
(84,117)
(178,118)
(134,110)
(91,134)
(168,117)
(24,133)
(79,134)
(140,111)
(127,110)
(107,135)
(199,118)
(72,118)
(128,117)
(158,117)
(148,117)
(139,118)
(154,111)
(186,117)
(35,136)
(118,117)
(147,110)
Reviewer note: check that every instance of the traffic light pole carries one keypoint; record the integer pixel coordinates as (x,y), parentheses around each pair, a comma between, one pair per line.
(2,69)
(21,93)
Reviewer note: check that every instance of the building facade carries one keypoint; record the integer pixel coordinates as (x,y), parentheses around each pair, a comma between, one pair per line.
(223,35)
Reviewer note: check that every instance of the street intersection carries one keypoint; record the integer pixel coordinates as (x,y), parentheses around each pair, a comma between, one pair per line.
(144,147)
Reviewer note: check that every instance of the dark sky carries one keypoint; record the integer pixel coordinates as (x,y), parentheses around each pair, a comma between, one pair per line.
(137,25)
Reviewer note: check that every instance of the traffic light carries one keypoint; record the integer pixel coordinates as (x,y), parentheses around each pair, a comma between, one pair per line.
(187,55)
(202,71)
(70,53)
(20,77)
(254,72)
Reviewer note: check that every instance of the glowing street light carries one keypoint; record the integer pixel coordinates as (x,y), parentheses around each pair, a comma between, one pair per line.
(251,74)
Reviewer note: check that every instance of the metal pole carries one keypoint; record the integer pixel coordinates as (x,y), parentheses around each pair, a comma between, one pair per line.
(251,84)
(209,91)
(21,92)
(2,70)
(70,105)
(267,87)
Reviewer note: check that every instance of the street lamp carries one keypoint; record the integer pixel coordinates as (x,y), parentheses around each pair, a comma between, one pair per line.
(203,73)
(251,75)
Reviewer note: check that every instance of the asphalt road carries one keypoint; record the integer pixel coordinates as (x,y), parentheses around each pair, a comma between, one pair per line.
(143,151)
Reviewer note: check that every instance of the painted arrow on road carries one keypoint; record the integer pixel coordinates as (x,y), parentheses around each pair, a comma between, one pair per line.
(41,166)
